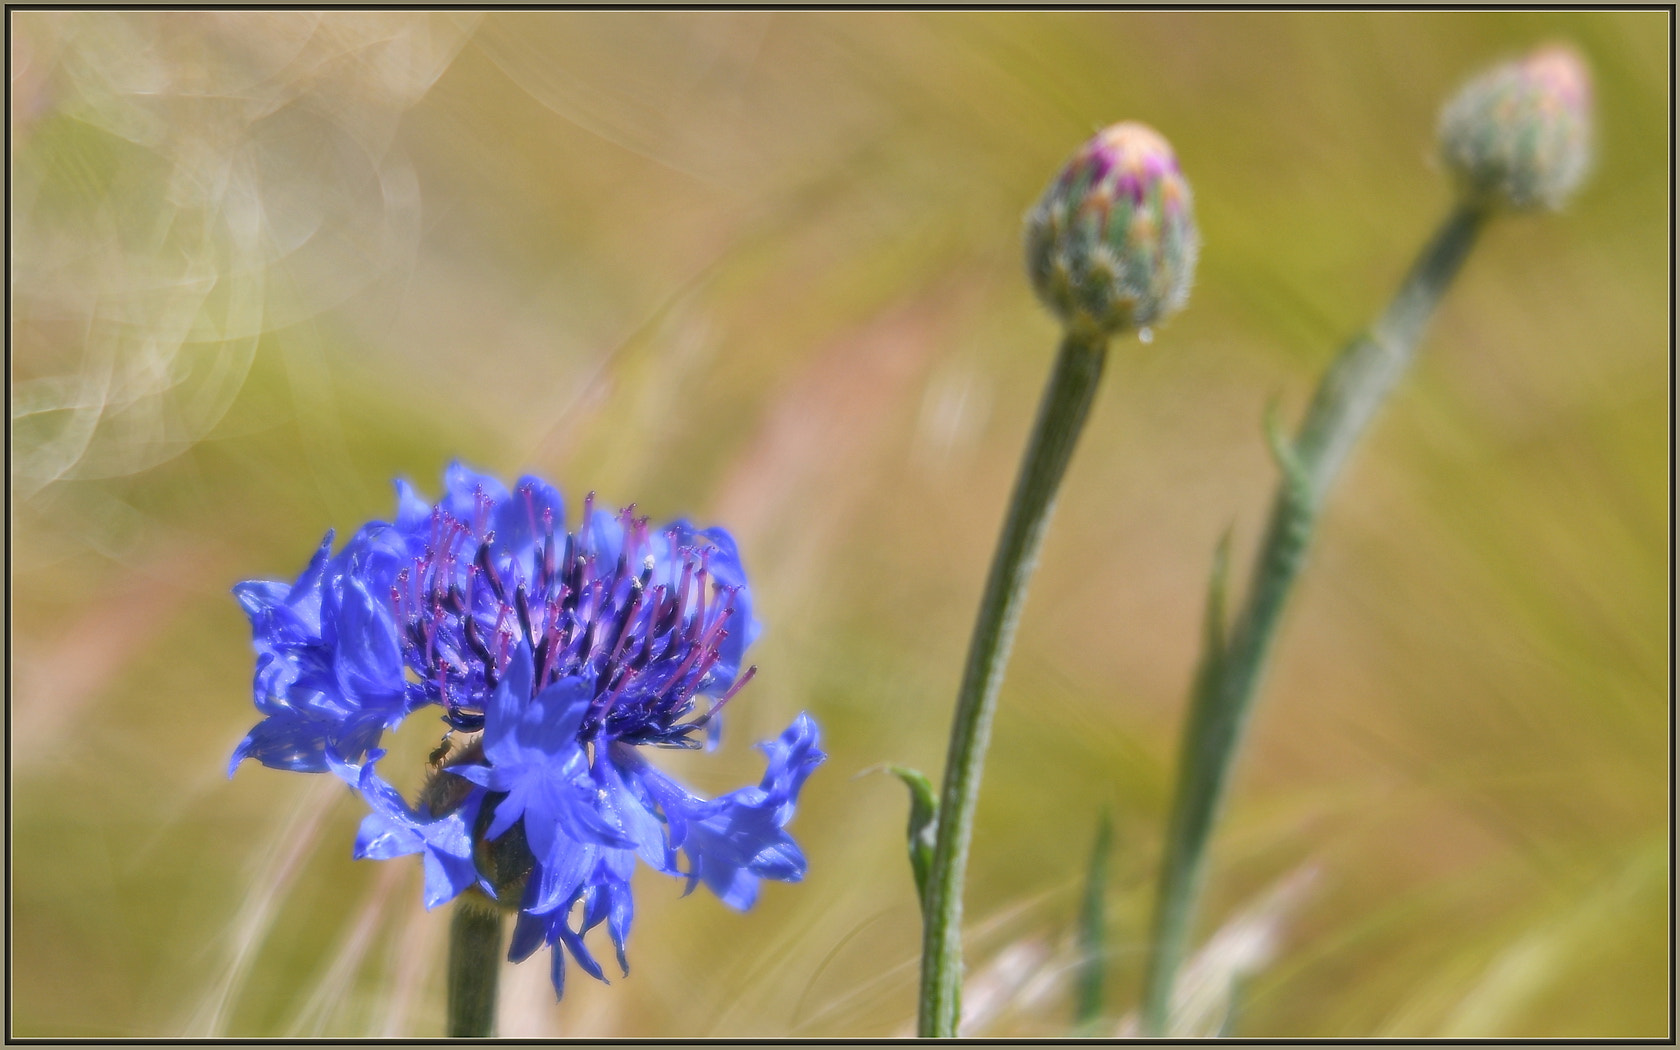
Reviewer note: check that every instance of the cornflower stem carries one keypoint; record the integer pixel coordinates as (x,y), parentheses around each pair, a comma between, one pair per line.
(475,950)
(1061,416)
(1348,396)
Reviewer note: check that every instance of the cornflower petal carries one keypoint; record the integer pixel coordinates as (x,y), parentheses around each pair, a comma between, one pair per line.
(602,536)
(328,669)
(304,597)
(394,829)
(529,515)
(368,664)
(273,622)
(743,629)
(288,740)
(412,511)
(737,839)
(580,952)
(634,815)
(469,496)
(557,881)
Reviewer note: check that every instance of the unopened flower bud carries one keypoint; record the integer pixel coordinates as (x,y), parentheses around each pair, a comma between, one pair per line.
(1112,243)
(1521,133)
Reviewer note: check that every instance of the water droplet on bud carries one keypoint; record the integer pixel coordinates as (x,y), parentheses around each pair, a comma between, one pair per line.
(1146,334)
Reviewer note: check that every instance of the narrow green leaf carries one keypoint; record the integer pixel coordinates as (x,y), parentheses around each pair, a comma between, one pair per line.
(1093,933)
(1213,624)
(1196,773)
(1213,619)
(1284,451)
(924,824)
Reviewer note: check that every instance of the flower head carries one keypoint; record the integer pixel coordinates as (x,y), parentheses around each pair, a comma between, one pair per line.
(1521,133)
(1112,243)
(554,658)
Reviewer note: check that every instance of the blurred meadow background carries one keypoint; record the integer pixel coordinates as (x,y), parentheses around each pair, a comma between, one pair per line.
(764,269)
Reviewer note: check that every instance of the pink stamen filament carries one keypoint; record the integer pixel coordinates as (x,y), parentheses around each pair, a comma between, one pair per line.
(740,683)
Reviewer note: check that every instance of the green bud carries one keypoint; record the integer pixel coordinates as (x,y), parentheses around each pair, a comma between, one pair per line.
(1112,243)
(1521,133)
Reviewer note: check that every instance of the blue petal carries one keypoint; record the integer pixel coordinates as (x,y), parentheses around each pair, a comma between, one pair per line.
(305,595)
(461,489)
(446,877)
(571,806)
(519,520)
(272,620)
(368,662)
(557,973)
(557,879)
(744,838)
(293,740)
(603,536)
(380,838)
(550,723)
(355,735)
(413,512)
(737,839)
(530,932)
(580,952)
(727,571)
(781,860)
(735,887)
(621,908)
(509,810)
(486,776)
(640,825)
(673,799)
(595,899)
(394,830)
(374,555)
(507,704)
(793,756)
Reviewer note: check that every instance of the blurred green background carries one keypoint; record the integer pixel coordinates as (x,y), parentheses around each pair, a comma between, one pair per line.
(763,268)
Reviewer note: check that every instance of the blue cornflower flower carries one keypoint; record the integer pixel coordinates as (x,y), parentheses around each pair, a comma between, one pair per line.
(555,657)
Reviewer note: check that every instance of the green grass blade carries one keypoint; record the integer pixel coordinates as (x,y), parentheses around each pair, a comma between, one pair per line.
(1093,932)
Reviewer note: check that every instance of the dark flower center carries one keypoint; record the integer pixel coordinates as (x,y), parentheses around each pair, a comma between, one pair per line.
(643,626)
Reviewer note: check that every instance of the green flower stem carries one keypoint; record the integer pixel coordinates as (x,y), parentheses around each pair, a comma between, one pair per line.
(475,957)
(1061,416)
(1347,398)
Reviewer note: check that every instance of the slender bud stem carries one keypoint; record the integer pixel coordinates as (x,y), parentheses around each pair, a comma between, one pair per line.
(475,957)
(1347,398)
(1061,416)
